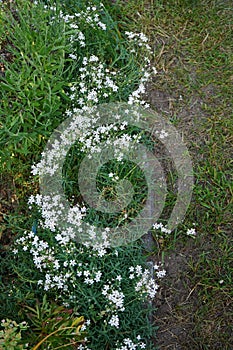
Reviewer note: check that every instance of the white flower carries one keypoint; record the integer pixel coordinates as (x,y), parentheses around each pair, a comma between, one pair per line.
(138,270)
(98,276)
(31,200)
(116,298)
(79,273)
(191,232)
(88,280)
(163,134)
(161,273)
(143,37)
(105,289)
(102,25)
(114,321)
(72,263)
(74,57)
(93,58)
(162,228)
(56,264)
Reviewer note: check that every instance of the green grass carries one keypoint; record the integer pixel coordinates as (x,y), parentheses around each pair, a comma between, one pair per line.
(192,43)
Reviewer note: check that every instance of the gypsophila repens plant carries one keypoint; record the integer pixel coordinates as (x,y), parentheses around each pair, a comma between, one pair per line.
(92,63)
(108,286)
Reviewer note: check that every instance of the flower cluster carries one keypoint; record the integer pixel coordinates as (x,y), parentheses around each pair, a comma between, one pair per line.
(84,127)
(161,230)
(52,211)
(140,43)
(128,344)
(90,16)
(114,297)
(146,285)
(98,244)
(96,83)
(191,232)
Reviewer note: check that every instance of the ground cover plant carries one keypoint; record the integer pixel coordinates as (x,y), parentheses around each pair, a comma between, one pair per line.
(74,296)
(64,59)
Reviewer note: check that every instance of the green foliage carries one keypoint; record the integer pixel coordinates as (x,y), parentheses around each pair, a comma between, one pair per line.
(32,91)
(10,336)
(53,326)
(79,261)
